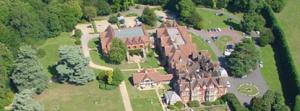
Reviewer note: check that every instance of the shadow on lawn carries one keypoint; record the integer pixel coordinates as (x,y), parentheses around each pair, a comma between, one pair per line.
(289,86)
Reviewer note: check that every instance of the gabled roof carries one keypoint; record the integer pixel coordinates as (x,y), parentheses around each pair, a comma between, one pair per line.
(151,74)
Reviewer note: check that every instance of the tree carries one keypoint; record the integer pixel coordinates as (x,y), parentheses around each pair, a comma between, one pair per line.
(23,101)
(117,52)
(258,104)
(222,3)
(111,79)
(27,71)
(103,8)
(68,11)
(179,105)
(297,103)
(89,12)
(23,19)
(117,77)
(6,60)
(113,19)
(73,67)
(243,59)
(188,13)
(116,5)
(252,21)
(277,5)
(266,37)
(148,17)
(238,5)
(269,97)
(232,101)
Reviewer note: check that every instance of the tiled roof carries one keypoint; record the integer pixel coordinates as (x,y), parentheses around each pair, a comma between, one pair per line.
(151,74)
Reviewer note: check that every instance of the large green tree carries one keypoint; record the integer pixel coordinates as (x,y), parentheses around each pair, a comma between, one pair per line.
(103,8)
(28,72)
(148,17)
(243,59)
(68,11)
(73,66)
(23,19)
(117,52)
(89,12)
(6,60)
(258,104)
(277,5)
(252,21)
(188,13)
(23,101)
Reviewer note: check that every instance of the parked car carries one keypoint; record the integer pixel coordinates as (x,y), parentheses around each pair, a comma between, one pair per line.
(229,49)
(228,84)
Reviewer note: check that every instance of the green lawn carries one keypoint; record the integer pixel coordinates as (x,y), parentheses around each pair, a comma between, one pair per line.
(97,59)
(289,20)
(210,20)
(51,46)
(222,42)
(142,100)
(93,43)
(269,71)
(151,62)
(212,108)
(202,45)
(64,97)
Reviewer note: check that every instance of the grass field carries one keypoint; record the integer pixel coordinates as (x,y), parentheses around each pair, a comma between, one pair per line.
(289,21)
(97,59)
(202,45)
(210,20)
(269,71)
(93,43)
(51,46)
(142,100)
(64,97)
(222,42)
(151,62)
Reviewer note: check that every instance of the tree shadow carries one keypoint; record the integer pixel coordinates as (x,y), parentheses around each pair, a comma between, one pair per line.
(289,85)
(130,79)
(236,26)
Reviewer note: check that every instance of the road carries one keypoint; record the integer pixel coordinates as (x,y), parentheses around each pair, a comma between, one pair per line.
(254,77)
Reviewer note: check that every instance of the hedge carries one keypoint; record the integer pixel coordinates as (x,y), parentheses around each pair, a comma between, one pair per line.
(283,55)
(233,102)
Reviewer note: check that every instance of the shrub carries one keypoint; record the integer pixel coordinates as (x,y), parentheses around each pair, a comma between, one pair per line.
(77,33)
(266,37)
(77,42)
(148,17)
(233,102)
(179,105)
(113,19)
(150,53)
(171,107)
(131,15)
(193,103)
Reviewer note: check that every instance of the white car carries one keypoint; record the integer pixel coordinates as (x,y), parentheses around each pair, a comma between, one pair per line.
(228,84)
